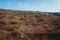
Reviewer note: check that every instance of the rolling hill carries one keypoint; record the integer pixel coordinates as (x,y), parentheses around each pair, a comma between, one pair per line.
(28,25)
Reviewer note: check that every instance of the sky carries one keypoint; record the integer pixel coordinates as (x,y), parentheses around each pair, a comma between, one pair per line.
(31,5)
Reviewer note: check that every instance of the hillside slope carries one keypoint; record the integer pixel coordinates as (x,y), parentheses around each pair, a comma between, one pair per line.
(28,25)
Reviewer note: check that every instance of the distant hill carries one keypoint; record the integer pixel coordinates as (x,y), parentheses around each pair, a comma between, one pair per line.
(28,25)
(55,14)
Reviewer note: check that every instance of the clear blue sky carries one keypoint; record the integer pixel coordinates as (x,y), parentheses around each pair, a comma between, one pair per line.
(33,5)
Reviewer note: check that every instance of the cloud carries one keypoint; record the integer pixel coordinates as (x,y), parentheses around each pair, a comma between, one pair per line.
(56,5)
(52,6)
(23,5)
(38,5)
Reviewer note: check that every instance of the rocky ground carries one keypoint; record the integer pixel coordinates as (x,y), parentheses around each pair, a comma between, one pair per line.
(28,25)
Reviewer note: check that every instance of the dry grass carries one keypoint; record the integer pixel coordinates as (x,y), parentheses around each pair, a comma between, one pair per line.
(28,25)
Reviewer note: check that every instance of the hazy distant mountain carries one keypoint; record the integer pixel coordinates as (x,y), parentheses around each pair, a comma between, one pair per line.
(28,25)
(56,14)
